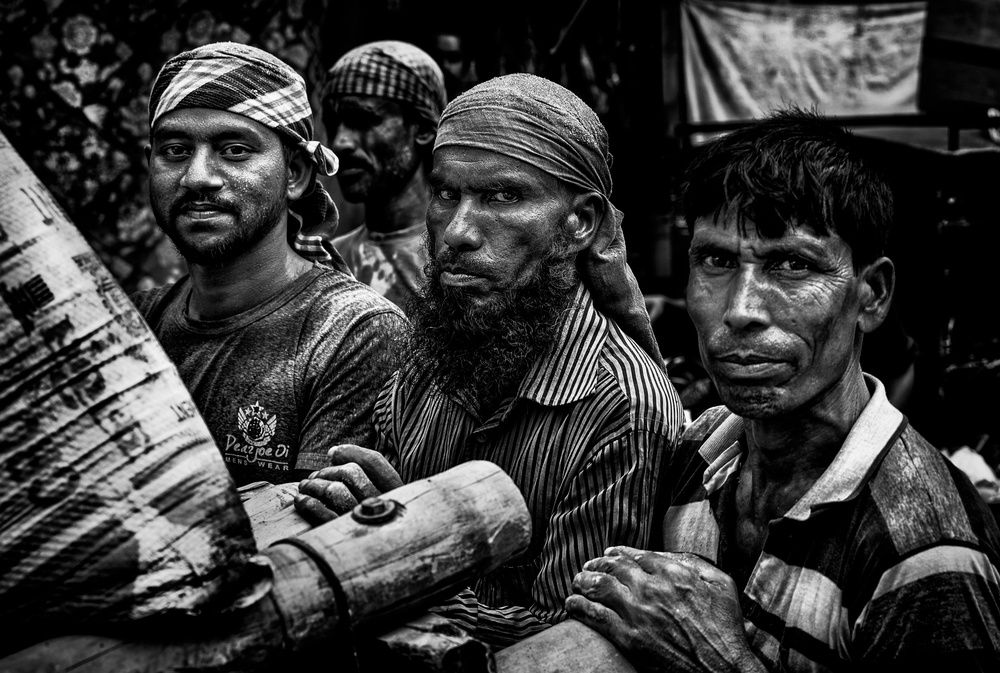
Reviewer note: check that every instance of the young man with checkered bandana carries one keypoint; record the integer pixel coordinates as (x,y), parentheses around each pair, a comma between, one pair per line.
(283,355)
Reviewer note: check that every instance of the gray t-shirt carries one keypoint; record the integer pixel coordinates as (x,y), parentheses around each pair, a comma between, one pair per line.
(281,383)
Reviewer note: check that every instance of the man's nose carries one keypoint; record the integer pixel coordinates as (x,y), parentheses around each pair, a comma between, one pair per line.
(746,305)
(345,139)
(463,231)
(201,173)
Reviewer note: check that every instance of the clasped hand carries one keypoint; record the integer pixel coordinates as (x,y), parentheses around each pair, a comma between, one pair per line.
(355,473)
(666,611)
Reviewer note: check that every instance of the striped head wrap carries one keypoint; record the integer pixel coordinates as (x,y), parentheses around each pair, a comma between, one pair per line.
(397,71)
(250,82)
(246,81)
(545,125)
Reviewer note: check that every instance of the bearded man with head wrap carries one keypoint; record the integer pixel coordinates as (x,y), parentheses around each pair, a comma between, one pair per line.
(533,349)
(283,355)
(381,105)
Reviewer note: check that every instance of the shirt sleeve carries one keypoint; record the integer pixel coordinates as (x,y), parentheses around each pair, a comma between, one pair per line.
(608,502)
(940,605)
(342,399)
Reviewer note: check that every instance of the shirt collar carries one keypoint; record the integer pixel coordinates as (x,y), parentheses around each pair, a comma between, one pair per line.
(568,371)
(876,429)
(870,438)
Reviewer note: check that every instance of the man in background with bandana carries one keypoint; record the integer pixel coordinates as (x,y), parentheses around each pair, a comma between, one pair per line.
(283,356)
(533,350)
(381,105)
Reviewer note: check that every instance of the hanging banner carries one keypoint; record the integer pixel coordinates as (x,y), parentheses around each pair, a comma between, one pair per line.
(744,59)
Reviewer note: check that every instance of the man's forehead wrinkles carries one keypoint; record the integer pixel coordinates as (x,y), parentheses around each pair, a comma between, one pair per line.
(477,175)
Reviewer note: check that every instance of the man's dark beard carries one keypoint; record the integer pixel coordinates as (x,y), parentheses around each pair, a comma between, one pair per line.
(486,350)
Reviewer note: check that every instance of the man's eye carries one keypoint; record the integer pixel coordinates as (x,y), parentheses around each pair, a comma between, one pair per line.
(236,151)
(445,194)
(173,151)
(504,196)
(792,264)
(716,261)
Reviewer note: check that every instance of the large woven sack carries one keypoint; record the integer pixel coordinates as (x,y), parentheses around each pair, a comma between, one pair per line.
(115,503)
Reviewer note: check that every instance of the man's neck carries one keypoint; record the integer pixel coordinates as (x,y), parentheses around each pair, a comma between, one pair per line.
(787,454)
(246,282)
(404,209)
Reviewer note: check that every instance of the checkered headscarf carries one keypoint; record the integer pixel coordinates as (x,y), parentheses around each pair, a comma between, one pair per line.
(252,83)
(246,81)
(393,70)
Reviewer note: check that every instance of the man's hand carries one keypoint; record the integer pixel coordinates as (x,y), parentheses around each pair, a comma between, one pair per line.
(666,611)
(355,474)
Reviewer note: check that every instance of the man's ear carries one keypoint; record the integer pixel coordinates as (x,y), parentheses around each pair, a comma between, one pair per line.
(878,281)
(585,217)
(300,173)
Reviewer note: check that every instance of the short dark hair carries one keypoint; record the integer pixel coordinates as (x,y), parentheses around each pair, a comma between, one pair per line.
(793,167)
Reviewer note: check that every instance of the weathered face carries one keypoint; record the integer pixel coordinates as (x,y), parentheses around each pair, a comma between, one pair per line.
(375,144)
(777,319)
(217,182)
(492,220)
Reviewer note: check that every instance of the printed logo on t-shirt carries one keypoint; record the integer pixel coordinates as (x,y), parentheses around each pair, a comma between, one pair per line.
(256,424)
(257,427)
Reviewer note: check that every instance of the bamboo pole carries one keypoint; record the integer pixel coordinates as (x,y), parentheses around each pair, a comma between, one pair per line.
(446,530)
(567,647)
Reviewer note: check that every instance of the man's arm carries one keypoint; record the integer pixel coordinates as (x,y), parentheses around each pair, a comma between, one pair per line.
(937,609)
(606,502)
(339,404)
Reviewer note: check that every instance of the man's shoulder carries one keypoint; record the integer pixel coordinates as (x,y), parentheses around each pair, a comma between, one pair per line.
(346,297)
(924,500)
(342,316)
(641,381)
(154,301)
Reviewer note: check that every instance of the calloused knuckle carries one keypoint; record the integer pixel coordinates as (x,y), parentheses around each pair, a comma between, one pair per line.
(335,490)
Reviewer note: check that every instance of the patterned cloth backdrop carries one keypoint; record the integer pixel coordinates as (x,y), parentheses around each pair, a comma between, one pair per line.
(75,77)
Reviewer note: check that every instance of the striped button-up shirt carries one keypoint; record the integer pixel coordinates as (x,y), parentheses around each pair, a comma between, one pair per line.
(888,562)
(584,438)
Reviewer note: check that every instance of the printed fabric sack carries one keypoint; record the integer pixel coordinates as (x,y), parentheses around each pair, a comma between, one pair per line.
(115,503)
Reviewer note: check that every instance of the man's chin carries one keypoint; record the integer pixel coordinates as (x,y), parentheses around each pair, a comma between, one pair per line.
(751,401)
(354,190)
(209,254)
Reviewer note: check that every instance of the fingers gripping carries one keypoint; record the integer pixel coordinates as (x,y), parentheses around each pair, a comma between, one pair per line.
(352,476)
(312,510)
(335,495)
(373,463)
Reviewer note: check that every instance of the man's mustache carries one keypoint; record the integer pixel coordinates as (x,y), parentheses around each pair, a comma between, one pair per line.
(454,261)
(183,204)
